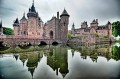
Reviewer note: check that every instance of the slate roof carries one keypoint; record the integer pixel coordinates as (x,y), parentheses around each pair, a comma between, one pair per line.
(64,13)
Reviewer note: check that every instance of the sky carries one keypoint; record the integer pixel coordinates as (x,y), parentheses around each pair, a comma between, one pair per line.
(79,10)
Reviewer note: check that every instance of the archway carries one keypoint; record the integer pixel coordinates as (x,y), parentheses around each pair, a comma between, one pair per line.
(1,44)
(51,34)
(55,43)
(29,44)
(42,43)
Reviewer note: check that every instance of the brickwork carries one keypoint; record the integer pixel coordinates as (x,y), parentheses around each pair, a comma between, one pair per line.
(56,28)
(90,33)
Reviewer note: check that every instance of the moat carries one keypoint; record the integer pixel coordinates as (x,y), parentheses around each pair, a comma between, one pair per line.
(60,62)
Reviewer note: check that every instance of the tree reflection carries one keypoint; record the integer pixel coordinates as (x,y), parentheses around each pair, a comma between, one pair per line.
(57,56)
(94,51)
(116,53)
(32,60)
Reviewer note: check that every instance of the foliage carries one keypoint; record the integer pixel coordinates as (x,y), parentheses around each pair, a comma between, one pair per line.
(116,28)
(116,40)
(96,34)
(116,52)
(106,36)
(7,31)
(69,35)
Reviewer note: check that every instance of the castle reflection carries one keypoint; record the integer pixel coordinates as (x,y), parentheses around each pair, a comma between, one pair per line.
(57,60)
(57,56)
(94,51)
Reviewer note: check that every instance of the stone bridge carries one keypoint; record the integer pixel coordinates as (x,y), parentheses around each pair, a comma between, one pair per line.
(20,40)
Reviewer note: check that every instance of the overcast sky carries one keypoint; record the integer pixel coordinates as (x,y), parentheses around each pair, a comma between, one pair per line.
(79,10)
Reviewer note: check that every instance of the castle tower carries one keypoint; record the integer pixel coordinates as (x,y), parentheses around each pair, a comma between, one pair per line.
(1,28)
(32,21)
(94,23)
(64,25)
(84,24)
(23,25)
(109,29)
(73,29)
(16,27)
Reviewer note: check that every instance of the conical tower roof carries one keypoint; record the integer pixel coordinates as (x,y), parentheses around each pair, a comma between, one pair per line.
(24,18)
(64,13)
(16,22)
(108,22)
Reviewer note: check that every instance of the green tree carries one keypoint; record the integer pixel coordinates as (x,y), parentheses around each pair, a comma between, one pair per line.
(116,53)
(7,31)
(69,35)
(116,28)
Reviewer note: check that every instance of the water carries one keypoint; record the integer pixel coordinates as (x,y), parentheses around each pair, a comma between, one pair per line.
(58,62)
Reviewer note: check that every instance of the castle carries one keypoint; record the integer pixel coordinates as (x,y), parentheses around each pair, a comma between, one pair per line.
(93,33)
(33,26)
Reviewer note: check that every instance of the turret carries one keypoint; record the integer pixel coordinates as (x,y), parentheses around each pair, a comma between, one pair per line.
(65,17)
(1,28)
(23,18)
(32,12)
(64,25)
(94,23)
(109,25)
(16,27)
(16,23)
(84,24)
(73,29)
(1,24)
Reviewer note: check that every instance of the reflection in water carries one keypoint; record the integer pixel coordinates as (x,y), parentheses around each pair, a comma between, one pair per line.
(57,59)
(55,62)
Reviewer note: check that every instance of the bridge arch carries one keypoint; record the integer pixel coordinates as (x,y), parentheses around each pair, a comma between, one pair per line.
(55,43)
(1,44)
(42,43)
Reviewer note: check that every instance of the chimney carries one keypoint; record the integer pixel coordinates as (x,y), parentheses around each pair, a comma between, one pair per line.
(97,20)
(57,15)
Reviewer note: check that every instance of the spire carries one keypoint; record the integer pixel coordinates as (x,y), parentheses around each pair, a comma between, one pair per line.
(73,26)
(1,23)
(24,18)
(32,12)
(24,14)
(32,9)
(64,13)
(33,2)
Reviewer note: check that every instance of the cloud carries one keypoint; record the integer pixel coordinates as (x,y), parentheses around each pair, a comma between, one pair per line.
(79,10)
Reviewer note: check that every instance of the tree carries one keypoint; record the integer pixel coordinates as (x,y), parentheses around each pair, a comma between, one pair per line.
(116,53)
(7,31)
(69,35)
(96,34)
(116,28)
